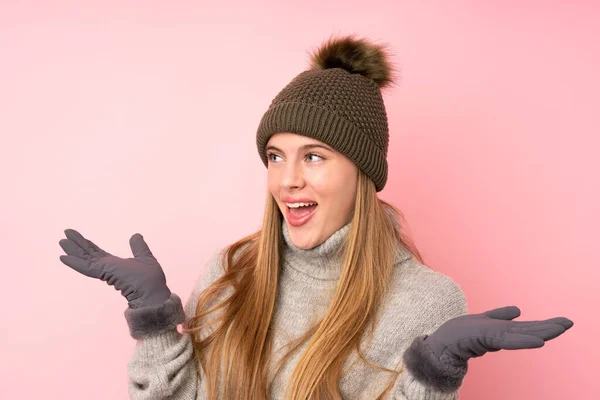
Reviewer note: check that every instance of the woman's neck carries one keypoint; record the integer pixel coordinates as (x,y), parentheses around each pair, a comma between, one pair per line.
(322,261)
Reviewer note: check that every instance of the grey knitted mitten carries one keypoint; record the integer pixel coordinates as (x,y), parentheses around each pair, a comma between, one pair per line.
(440,359)
(141,280)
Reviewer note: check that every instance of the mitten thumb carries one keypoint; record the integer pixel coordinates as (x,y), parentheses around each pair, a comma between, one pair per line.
(139,247)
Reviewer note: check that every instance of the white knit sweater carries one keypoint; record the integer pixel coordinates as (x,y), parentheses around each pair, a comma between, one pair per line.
(162,366)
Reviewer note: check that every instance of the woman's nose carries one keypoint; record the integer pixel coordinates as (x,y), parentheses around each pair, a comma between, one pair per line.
(292,176)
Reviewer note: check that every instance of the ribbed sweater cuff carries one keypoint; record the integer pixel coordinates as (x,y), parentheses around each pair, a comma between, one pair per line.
(153,320)
(154,348)
(444,375)
(410,388)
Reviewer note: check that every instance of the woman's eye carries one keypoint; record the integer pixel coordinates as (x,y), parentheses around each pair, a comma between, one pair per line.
(315,155)
(270,155)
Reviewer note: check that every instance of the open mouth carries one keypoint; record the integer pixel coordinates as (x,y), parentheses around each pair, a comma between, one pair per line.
(300,213)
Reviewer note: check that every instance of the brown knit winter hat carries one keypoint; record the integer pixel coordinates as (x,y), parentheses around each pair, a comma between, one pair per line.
(338,101)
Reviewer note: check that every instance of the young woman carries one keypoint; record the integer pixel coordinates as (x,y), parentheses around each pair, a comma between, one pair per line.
(329,299)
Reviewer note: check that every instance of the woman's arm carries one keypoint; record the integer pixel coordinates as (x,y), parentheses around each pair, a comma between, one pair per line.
(162,365)
(420,380)
(438,359)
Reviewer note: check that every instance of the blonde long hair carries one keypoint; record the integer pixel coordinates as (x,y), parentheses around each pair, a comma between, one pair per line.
(236,353)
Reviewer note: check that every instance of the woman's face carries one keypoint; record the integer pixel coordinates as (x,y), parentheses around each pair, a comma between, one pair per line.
(307,170)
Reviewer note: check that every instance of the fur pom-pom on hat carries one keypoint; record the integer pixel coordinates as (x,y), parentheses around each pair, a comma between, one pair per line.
(355,55)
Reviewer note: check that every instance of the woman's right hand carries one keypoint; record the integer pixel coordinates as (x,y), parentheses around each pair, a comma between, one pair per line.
(140,279)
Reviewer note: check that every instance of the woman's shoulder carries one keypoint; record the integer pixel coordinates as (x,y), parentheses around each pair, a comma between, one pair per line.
(419,276)
(213,269)
(215,266)
(431,296)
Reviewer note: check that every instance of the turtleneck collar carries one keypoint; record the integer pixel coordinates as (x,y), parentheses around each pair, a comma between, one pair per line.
(323,261)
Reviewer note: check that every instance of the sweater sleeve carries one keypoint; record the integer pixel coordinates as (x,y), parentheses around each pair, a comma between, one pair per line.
(163,365)
(425,378)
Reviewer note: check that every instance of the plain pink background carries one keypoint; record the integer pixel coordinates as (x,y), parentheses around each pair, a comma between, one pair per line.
(124,117)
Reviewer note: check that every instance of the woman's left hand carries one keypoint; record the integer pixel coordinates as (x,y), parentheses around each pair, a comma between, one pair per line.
(473,335)
(440,359)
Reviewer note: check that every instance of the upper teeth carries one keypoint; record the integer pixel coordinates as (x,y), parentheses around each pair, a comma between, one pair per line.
(296,205)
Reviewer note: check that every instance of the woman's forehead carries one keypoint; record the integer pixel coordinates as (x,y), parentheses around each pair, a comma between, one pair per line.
(292,139)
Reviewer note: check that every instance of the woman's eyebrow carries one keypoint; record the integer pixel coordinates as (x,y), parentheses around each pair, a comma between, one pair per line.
(302,148)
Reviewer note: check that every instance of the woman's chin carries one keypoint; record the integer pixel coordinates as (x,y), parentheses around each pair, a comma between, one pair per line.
(303,239)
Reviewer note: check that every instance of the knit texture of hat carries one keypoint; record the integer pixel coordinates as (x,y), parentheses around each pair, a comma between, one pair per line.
(338,102)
